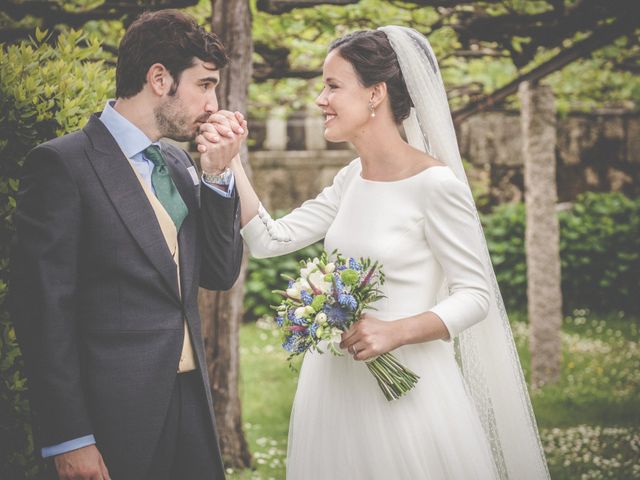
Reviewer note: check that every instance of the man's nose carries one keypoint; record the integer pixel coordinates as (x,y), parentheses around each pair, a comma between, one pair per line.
(211,106)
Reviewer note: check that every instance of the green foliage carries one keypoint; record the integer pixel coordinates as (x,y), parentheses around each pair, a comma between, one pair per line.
(599,251)
(45,92)
(266,274)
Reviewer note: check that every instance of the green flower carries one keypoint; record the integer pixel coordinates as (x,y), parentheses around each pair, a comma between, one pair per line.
(349,276)
(318,302)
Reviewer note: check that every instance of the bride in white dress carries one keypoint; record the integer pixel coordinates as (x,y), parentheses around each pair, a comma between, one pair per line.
(408,206)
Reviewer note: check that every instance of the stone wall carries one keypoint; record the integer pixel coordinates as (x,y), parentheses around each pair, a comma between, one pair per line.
(595,152)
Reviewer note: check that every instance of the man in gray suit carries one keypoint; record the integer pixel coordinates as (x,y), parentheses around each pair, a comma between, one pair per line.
(115,232)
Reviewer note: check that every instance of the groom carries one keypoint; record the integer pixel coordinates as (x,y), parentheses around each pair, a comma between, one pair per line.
(115,231)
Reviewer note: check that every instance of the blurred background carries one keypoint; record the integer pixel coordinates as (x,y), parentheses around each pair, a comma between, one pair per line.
(545,97)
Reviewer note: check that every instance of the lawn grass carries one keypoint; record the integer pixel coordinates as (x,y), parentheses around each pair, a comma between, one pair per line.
(589,421)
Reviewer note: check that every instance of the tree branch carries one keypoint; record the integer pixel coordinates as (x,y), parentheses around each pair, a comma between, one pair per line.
(599,38)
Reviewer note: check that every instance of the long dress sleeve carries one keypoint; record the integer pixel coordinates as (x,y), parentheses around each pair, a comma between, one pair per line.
(305,225)
(453,233)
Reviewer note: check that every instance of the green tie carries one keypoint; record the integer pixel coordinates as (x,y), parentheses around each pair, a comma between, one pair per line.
(166,190)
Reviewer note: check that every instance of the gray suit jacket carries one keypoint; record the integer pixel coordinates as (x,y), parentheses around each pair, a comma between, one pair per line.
(94,295)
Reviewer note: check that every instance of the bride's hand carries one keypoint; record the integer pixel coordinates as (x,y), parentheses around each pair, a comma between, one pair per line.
(370,337)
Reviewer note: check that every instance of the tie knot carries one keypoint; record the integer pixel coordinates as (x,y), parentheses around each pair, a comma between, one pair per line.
(152,152)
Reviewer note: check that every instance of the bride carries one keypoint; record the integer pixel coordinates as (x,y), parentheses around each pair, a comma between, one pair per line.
(407,205)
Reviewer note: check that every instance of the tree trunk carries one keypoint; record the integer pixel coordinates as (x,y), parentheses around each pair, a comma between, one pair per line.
(542,241)
(221,312)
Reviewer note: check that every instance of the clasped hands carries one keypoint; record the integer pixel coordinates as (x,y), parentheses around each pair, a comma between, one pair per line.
(219,140)
(370,337)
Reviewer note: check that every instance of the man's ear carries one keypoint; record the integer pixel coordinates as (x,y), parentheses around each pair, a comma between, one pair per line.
(378,94)
(159,79)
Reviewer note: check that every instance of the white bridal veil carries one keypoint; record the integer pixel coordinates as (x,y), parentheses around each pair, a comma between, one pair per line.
(488,356)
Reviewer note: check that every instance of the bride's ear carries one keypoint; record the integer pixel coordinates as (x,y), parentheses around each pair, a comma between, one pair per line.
(378,94)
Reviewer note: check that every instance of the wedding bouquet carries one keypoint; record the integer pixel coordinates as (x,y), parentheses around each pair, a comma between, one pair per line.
(324,301)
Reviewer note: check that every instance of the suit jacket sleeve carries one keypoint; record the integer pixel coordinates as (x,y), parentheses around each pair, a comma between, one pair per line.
(222,250)
(43,291)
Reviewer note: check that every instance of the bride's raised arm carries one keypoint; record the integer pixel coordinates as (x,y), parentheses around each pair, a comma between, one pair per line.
(305,225)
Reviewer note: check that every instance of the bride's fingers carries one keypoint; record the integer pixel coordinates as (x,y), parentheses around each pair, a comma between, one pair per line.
(349,338)
(363,354)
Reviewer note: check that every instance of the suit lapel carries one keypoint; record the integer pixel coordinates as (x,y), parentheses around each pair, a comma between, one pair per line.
(187,233)
(124,190)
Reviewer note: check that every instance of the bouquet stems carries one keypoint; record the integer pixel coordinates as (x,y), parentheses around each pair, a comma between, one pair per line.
(394,379)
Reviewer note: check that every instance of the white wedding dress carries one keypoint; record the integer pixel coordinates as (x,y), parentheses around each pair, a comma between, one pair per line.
(423,230)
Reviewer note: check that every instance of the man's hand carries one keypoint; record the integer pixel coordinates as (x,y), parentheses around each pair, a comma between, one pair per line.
(219,140)
(82,464)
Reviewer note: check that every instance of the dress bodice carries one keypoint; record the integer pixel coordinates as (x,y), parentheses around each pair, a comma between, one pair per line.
(422,229)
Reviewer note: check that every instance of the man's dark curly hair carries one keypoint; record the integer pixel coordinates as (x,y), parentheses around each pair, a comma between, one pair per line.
(169,37)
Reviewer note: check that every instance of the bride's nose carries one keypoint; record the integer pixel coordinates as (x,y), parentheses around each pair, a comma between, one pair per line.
(321,100)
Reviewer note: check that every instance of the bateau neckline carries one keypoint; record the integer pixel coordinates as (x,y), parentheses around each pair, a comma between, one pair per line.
(401,180)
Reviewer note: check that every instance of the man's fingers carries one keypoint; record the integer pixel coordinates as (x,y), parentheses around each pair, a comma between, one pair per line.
(219,118)
(228,119)
(105,470)
(211,137)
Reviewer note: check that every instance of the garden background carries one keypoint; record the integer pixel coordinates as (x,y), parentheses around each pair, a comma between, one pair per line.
(571,64)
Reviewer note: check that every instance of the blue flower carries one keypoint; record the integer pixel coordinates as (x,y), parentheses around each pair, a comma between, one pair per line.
(291,283)
(339,285)
(295,320)
(337,316)
(313,329)
(295,344)
(348,301)
(279,320)
(299,321)
(355,265)
(306,298)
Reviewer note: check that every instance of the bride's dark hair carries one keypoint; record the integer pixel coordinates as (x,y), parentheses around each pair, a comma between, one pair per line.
(374,61)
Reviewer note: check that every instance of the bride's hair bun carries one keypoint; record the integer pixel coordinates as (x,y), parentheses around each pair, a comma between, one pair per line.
(375,61)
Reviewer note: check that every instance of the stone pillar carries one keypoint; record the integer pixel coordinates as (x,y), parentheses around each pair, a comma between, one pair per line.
(276,126)
(542,242)
(314,129)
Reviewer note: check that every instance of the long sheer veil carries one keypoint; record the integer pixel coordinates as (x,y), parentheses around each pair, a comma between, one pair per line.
(487,352)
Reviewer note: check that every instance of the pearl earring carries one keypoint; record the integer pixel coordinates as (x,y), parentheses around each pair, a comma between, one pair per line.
(372,110)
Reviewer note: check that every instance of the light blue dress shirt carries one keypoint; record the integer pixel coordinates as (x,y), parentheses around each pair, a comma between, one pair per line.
(132,142)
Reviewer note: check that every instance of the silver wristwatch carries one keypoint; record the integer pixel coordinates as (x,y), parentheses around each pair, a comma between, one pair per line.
(222,178)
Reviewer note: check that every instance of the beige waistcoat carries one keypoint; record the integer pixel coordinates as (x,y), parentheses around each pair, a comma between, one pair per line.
(187,357)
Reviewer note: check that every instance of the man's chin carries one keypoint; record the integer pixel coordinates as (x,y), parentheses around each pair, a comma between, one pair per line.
(182,136)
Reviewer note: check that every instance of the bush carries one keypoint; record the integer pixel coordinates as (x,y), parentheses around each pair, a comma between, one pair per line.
(599,252)
(44,92)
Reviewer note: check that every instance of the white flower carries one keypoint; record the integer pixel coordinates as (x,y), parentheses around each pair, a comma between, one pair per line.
(317,278)
(300,312)
(336,335)
(293,293)
(330,268)
(321,318)
(306,271)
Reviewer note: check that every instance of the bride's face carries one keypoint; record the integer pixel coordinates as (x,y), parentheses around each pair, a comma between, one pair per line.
(343,100)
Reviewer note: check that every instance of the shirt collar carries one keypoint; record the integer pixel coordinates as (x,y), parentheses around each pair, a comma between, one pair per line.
(129,137)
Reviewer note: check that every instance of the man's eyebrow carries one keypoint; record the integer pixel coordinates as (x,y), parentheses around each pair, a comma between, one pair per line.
(214,80)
